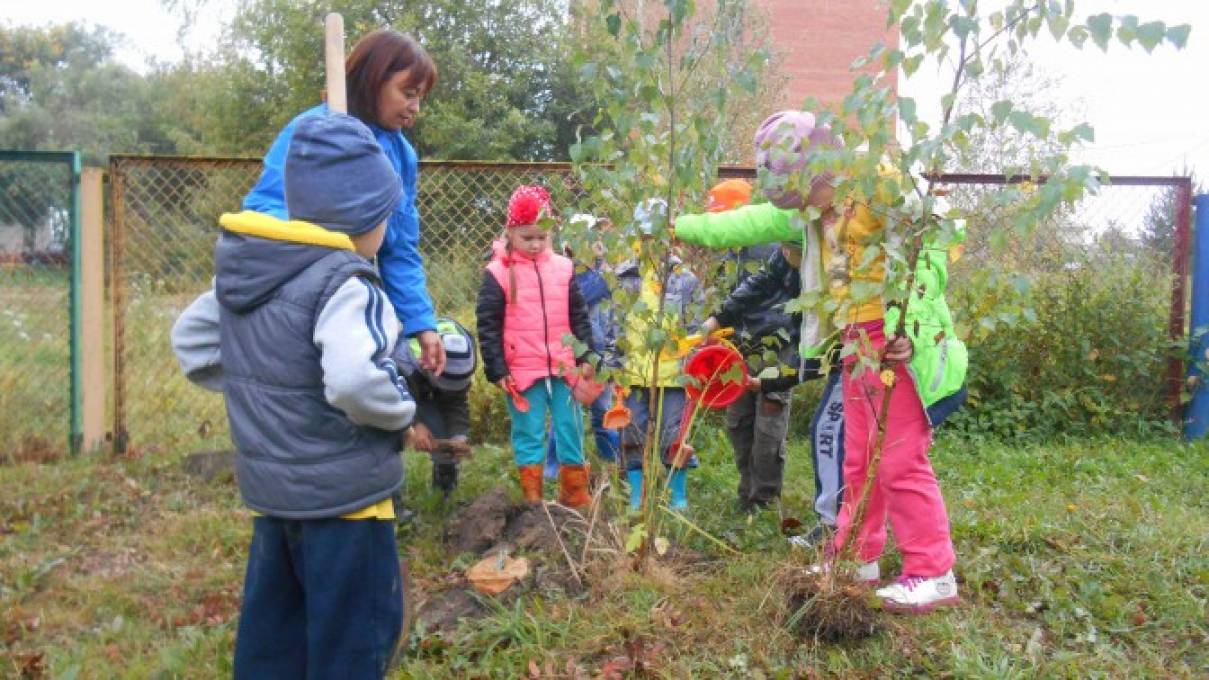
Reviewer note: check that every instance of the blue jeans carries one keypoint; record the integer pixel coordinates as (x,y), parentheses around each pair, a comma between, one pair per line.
(551,395)
(607,441)
(633,436)
(322,599)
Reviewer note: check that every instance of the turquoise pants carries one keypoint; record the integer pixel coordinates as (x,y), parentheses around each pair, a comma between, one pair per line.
(552,396)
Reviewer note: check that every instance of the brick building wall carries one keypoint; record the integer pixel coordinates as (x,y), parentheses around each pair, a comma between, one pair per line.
(819,39)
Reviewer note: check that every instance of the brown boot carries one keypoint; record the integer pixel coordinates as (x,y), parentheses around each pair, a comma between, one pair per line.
(531,483)
(573,486)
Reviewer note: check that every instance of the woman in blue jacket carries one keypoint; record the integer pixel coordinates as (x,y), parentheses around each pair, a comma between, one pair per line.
(387,75)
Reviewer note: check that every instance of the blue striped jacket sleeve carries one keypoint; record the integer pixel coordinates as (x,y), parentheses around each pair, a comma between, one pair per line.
(356,335)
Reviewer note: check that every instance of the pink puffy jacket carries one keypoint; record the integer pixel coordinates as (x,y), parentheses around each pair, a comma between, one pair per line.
(537,313)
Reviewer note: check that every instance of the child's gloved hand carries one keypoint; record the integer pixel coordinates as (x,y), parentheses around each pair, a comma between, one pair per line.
(587,371)
(897,349)
(753,385)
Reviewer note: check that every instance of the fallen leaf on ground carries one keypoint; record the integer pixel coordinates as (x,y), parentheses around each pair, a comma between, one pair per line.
(492,576)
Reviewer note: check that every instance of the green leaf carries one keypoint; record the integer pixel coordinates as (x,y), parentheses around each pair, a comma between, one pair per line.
(1100,27)
(911,64)
(906,109)
(1084,131)
(892,58)
(897,8)
(1178,35)
(769,373)
(1151,34)
(613,23)
(634,539)
(962,26)
(746,80)
(1023,121)
(1058,24)
(1077,35)
(1127,30)
(1000,110)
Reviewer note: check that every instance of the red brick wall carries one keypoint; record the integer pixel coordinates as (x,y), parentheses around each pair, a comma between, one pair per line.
(820,39)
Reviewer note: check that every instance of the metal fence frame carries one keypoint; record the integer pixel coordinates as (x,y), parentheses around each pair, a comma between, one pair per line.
(119,187)
(70,159)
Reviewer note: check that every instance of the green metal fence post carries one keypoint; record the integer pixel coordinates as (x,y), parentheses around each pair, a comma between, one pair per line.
(77,426)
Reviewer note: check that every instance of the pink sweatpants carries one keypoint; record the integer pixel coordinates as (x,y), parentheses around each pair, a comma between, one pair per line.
(905,488)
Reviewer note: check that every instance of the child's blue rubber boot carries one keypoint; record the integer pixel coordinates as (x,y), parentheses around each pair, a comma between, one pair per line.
(678,486)
(551,471)
(635,479)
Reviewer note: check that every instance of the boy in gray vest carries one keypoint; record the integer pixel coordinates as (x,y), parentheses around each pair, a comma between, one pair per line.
(298,335)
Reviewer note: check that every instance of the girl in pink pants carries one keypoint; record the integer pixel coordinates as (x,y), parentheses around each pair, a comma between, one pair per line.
(904,489)
(928,362)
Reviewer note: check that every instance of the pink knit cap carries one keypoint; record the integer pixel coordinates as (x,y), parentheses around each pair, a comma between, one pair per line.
(783,145)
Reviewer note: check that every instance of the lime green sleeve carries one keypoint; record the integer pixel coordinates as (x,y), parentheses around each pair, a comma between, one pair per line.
(749,225)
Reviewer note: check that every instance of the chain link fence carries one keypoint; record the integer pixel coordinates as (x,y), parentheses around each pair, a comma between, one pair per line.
(164,224)
(38,212)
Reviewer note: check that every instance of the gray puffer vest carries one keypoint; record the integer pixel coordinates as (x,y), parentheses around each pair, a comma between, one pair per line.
(299,457)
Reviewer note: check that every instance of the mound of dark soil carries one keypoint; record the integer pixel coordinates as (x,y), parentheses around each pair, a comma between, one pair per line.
(492,522)
(828,608)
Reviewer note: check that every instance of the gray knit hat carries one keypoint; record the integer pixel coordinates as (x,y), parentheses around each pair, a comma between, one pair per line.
(337,176)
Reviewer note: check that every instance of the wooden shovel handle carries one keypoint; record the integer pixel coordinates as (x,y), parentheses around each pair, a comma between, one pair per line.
(333,61)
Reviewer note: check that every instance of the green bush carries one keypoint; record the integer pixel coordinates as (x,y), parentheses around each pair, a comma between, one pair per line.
(1078,351)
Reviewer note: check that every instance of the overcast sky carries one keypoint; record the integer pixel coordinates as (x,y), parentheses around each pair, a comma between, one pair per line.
(1150,112)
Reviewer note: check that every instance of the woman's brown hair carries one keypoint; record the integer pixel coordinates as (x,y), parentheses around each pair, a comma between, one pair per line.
(375,58)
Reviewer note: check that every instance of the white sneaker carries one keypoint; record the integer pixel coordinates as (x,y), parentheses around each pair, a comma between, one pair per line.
(920,594)
(869,572)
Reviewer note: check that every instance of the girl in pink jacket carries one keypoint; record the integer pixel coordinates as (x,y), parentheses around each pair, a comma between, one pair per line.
(528,304)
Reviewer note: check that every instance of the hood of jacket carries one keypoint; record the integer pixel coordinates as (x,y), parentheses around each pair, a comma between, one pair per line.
(258,253)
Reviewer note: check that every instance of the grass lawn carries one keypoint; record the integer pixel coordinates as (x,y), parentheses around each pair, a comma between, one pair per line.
(1085,559)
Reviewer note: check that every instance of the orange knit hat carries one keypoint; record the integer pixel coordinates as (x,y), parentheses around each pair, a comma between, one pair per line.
(728,195)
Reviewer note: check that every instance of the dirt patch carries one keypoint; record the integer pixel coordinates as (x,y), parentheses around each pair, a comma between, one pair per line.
(546,534)
(32,449)
(682,557)
(444,611)
(479,525)
(211,466)
(493,521)
(110,565)
(531,529)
